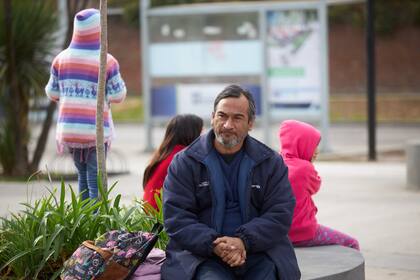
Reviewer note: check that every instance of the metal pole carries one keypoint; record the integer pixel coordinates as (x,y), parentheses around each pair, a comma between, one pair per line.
(370,71)
(144,43)
(325,109)
(62,22)
(265,105)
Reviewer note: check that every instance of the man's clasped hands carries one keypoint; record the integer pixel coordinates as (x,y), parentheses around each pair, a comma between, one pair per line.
(231,250)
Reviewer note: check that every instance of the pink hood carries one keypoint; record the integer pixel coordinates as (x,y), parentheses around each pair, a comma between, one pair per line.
(298,143)
(298,139)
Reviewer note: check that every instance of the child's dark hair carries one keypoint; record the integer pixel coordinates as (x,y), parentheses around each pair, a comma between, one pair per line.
(181,130)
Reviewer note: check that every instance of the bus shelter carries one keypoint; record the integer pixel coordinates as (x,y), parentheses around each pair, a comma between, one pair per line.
(277,50)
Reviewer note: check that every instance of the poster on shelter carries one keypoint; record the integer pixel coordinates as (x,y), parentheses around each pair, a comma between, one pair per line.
(294,57)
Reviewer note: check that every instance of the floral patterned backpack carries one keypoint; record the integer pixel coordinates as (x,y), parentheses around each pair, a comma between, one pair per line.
(114,255)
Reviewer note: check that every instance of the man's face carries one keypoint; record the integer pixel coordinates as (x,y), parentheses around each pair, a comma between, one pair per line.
(231,122)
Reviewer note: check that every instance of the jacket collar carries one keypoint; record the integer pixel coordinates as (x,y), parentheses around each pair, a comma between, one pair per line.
(202,146)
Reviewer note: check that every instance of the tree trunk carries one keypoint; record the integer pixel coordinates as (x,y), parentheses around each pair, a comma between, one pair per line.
(101,97)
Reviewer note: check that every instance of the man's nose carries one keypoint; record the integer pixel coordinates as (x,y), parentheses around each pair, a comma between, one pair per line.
(228,124)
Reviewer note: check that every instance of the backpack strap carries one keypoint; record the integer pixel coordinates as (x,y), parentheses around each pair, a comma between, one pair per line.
(105,254)
(157,228)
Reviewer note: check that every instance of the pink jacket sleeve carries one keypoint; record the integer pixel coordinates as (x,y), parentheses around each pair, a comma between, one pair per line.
(313,180)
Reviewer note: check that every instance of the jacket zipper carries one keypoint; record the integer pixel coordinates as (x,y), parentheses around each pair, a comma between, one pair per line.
(213,200)
(248,194)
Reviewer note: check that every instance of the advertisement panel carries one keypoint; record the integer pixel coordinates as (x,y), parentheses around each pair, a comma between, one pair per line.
(293,74)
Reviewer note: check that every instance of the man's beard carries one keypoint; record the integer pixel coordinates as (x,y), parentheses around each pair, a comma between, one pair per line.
(229,143)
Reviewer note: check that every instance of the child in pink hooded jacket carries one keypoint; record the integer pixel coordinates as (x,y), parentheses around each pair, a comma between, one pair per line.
(299,148)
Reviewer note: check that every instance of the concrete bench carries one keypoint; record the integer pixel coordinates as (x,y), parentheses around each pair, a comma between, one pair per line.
(330,263)
(413,164)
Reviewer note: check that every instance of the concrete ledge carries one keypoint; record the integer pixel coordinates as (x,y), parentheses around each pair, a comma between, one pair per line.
(330,262)
(413,162)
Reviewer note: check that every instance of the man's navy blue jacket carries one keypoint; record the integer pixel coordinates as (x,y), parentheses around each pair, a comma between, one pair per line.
(194,205)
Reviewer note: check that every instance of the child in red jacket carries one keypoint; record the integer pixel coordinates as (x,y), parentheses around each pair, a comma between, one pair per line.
(181,131)
(299,148)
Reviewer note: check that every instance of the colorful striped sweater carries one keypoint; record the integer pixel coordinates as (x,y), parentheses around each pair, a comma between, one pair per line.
(73,84)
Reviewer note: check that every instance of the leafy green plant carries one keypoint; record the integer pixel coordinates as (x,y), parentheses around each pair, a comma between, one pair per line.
(26,44)
(35,243)
(158,215)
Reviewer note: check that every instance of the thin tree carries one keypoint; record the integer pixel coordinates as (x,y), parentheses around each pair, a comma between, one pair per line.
(100,149)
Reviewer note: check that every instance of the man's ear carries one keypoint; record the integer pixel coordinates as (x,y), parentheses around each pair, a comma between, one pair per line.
(251,125)
(212,117)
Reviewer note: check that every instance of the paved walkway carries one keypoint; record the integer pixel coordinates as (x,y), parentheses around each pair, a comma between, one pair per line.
(368,200)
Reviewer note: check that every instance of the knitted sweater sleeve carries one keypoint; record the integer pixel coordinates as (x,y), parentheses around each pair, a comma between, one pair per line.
(115,86)
(52,88)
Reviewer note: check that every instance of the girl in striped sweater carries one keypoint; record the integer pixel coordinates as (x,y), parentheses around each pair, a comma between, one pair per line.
(73,84)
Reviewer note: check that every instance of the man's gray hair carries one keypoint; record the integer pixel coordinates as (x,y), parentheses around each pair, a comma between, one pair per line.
(236,92)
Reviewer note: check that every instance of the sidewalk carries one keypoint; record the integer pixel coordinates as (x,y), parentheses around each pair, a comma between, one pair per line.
(367,200)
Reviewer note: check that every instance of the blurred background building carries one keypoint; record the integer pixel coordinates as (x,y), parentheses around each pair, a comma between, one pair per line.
(397,56)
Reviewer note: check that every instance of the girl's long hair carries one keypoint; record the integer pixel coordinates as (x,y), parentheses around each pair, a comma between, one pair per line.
(181,130)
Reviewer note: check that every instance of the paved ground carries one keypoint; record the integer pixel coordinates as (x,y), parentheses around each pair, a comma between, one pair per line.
(368,200)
